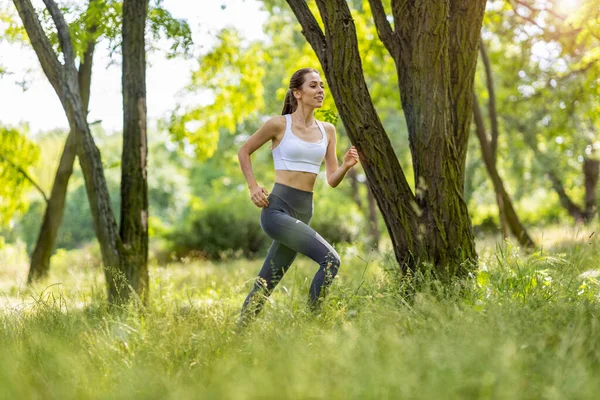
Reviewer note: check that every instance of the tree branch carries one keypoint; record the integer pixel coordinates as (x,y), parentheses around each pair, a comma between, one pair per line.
(492,101)
(26,175)
(42,46)
(384,29)
(84,74)
(64,37)
(310,28)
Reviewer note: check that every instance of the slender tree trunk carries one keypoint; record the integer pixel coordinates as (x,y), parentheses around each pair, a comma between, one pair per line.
(134,184)
(495,132)
(502,215)
(40,258)
(504,203)
(352,176)
(591,170)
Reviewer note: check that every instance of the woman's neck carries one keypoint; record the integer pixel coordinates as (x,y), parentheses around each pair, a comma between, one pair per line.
(304,116)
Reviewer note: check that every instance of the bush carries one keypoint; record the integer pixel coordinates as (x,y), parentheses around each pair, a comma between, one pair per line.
(336,218)
(221,228)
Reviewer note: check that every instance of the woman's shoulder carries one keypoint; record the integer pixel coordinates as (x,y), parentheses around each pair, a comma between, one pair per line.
(276,122)
(329,128)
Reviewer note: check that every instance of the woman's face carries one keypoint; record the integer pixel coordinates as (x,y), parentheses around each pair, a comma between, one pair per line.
(312,92)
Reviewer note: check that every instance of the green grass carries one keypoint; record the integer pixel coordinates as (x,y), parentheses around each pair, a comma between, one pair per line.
(523,326)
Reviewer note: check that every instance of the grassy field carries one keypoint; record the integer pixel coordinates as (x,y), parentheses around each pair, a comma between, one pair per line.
(523,326)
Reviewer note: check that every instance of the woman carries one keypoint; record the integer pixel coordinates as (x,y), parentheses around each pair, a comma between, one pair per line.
(300,143)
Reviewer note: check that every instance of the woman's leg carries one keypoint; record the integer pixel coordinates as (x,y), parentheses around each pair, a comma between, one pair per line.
(299,237)
(278,261)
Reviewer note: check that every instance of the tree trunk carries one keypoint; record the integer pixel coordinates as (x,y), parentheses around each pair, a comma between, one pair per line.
(495,132)
(504,202)
(134,184)
(40,258)
(573,209)
(352,176)
(373,222)
(436,124)
(434,225)
(591,170)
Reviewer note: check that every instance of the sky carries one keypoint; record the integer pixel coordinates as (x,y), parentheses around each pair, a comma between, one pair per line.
(40,108)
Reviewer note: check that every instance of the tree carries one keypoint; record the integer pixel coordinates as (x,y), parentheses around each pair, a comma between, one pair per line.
(134,181)
(434,46)
(64,79)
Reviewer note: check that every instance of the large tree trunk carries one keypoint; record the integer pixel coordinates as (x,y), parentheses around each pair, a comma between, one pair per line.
(436,123)
(134,184)
(40,258)
(504,202)
(433,225)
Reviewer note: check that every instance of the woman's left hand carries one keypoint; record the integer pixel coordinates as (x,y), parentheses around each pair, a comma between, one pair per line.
(351,157)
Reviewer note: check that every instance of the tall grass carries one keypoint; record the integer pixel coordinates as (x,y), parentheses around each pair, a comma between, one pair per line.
(522,326)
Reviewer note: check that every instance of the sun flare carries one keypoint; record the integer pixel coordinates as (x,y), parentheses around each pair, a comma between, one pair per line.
(567,6)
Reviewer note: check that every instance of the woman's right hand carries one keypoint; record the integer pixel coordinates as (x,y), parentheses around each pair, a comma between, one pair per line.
(259,194)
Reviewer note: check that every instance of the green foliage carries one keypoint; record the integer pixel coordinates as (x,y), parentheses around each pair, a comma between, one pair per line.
(337,217)
(231,75)
(221,227)
(547,98)
(17,154)
(162,24)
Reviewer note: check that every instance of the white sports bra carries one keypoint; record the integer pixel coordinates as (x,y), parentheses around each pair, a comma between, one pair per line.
(295,154)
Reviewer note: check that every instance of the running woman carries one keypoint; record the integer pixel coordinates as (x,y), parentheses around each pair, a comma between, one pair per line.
(300,143)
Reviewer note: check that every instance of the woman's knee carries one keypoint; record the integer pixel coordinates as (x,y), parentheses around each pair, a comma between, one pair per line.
(332,261)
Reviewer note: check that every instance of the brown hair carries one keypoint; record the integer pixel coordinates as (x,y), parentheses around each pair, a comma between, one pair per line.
(290,103)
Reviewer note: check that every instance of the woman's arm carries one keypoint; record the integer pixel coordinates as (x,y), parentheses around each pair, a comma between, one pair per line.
(266,132)
(335,173)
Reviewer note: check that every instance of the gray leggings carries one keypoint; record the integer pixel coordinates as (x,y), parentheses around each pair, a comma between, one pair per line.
(286,221)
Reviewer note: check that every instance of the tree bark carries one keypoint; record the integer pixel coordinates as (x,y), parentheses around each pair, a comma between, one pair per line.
(504,201)
(53,215)
(591,170)
(432,226)
(134,184)
(373,222)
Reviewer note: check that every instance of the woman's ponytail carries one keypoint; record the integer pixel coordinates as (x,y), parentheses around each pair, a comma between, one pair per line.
(290,103)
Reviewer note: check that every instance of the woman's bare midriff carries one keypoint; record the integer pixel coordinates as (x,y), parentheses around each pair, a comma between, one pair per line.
(296,179)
